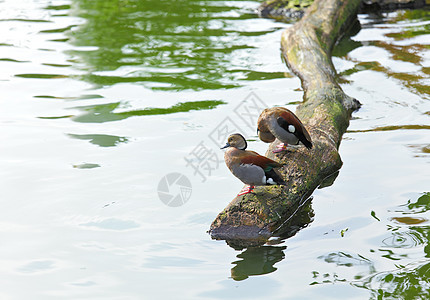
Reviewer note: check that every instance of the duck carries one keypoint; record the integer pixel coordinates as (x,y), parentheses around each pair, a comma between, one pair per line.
(282,124)
(250,167)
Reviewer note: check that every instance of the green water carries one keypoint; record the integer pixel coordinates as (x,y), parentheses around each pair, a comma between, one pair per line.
(102,99)
(167,45)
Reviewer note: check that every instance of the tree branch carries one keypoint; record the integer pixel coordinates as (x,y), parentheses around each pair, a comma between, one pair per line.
(306,46)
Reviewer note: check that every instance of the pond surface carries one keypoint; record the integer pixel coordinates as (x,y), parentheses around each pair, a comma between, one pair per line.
(102,99)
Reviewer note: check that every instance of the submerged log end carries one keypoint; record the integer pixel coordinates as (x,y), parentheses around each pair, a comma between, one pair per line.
(253,216)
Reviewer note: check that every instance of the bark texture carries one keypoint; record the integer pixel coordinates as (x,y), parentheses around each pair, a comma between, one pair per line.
(290,11)
(306,46)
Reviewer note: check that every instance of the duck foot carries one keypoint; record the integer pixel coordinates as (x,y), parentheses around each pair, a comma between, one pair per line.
(280,148)
(246,190)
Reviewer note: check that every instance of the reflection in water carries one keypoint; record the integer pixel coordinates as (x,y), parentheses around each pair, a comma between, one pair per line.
(329,180)
(300,219)
(347,260)
(165,45)
(41,76)
(105,112)
(102,140)
(346,43)
(416,29)
(101,113)
(421,205)
(404,239)
(157,262)
(393,127)
(87,283)
(82,97)
(421,150)
(391,255)
(409,220)
(426,149)
(257,261)
(37,266)
(416,79)
(326,278)
(112,224)
(410,281)
(86,166)
(342,259)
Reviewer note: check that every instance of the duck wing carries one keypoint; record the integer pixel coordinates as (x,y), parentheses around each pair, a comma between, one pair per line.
(290,123)
(254,158)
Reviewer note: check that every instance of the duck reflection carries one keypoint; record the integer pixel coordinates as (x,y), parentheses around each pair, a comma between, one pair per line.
(257,261)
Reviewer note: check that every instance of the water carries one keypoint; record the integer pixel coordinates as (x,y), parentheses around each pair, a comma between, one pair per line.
(102,99)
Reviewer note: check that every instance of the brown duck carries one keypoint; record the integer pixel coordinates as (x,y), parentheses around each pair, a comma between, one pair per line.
(281,123)
(249,166)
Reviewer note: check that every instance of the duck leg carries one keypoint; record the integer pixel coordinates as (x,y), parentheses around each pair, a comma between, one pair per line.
(246,190)
(280,148)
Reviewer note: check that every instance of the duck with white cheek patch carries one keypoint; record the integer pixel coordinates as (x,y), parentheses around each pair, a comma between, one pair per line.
(249,166)
(282,124)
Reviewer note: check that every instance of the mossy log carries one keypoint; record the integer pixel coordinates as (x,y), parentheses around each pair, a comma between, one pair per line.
(306,46)
(290,11)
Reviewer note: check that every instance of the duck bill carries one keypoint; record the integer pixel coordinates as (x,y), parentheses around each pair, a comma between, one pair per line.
(226,146)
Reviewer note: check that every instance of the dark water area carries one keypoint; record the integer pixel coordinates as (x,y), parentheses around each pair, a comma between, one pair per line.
(110,169)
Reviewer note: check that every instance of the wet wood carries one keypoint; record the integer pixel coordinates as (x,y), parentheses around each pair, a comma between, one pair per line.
(290,11)
(306,46)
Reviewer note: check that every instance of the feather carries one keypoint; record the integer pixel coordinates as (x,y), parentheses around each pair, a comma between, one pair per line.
(251,157)
(286,119)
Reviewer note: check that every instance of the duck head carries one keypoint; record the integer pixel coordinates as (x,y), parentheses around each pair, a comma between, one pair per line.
(237,141)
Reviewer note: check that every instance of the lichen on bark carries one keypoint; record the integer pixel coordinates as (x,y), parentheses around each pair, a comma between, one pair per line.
(290,11)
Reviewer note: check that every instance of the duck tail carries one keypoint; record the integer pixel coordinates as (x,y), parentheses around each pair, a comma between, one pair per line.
(274,178)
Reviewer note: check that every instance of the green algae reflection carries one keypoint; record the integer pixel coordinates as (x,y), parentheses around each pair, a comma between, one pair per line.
(105,112)
(408,233)
(162,45)
(101,140)
(101,113)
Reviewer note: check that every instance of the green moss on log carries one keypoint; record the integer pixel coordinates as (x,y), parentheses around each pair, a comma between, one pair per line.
(283,10)
(292,10)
